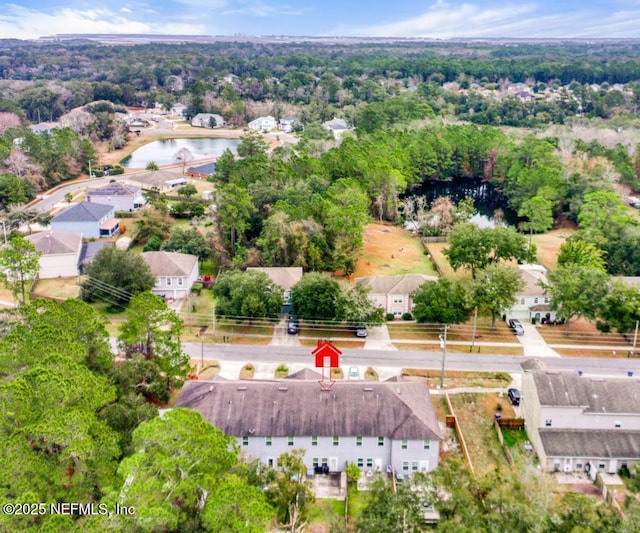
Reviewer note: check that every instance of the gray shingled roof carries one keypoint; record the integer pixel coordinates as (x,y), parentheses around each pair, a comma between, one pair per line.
(84,212)
(585,443)
(301,408)
(114,189)
(56,242)
(285,277)
(595,395)
(400,284)
(169,263)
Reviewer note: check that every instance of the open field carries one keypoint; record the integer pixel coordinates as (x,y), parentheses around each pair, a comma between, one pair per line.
(57,288)
(548,245)
(435,250)
(390,250)
(458,378)
(582,331)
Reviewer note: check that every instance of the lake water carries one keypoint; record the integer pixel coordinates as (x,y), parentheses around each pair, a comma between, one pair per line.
(163,151)
(486,198)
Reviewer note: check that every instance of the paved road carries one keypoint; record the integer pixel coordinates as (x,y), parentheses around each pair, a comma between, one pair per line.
(407,358)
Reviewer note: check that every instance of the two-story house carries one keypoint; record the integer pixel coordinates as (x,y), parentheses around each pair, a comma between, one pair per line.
(582,423)
(532,302)
(393,293)
(175,273)
(285,277)
(263,123)
(121,196)
(208,120)
(91,219)
(60,252)
(375,425)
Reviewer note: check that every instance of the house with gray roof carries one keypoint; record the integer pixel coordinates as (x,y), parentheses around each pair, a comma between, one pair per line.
(582,423)
(121,196)
(532,301)
(208,120)
(89,251)
(175,273)
(60,252)
(393,293)
(91,219)
(285,277)
(375,425)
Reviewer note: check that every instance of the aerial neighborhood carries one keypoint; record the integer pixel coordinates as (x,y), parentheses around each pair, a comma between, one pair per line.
(314,285)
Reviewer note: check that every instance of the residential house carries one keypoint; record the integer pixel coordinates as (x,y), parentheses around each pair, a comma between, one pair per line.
(91,219)
(89,251)
(581,423)
(60,252)
(393,293)
(175,273)
(337,126)
(263,123)
(162,180)
(285,277)
(286,124)
(208,120)
(532,302)
(178,109)
(121,196)
(374,425)
(202,171)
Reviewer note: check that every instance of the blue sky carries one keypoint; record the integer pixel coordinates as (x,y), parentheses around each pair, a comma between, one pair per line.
(377,18)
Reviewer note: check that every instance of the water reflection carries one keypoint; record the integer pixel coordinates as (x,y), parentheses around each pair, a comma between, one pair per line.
(163,152)
(486,199)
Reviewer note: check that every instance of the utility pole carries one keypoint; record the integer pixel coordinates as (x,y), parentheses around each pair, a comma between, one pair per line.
(443,345)
(475,321)
(635,339)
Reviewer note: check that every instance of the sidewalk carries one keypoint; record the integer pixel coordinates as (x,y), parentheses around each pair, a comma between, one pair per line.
(533,343)
(379,339)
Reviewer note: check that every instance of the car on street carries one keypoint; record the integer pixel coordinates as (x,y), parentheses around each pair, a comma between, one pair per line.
(361,331)
(516,326)
(514,396)
(354,373)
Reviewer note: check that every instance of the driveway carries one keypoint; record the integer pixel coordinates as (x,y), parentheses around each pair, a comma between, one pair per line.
(533,343)
(281,337)
(378,339)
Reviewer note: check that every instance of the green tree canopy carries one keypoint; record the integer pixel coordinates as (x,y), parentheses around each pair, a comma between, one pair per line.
(249,294)
(316,297)
(187,241)
(19,263)
(620,308)
(577,251)
(494,289)
(442,301)
(115,276)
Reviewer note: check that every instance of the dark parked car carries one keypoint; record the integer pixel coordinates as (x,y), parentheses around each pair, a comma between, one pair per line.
(361,331)
(293,327)
(514,396)
(516,326)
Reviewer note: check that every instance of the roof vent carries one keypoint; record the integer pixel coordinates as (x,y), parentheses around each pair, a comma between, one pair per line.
(242,387)
(368,389)
(283,389)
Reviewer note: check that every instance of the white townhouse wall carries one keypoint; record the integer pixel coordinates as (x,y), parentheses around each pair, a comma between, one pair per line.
(60,252)
(573,420)
(175,273)
(374,425)
(393,293)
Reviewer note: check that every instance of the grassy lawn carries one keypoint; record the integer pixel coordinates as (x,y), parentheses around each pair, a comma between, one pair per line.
(582,332)
(458,332)
(323,513)
(475,416)
(548,245)
(435,250)
(390,250)
(57,288)
(515,439)
(357,502)
(458,378)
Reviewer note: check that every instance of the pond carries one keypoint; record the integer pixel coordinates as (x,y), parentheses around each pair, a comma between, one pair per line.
(486,198)
(163,151)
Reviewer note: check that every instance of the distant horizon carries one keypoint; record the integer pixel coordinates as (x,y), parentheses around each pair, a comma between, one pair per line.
(405,19)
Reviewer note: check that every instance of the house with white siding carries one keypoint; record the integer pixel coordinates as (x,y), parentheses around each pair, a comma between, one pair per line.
(208,120)
(122,197)
(263,123)
(375,425)
(581,423)
(532,301)
(60,253)
(393,293)
(175,273)
(91,219)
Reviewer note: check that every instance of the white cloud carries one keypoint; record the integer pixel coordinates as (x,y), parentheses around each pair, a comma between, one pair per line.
(514,20)
(126,10)
(20,23)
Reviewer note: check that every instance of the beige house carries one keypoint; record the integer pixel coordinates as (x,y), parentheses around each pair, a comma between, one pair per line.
(285,277)
(393,293)
(175,273)
(60,253)
(582,423)
(532,302)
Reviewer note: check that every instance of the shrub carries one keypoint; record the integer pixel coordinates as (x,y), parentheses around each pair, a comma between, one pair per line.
(407,316)
(390,317)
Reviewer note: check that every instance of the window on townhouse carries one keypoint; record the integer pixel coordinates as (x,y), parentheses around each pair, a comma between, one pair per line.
(336,440)
(325,461)
(414,466)
(369,462)
(358,441)
(405,465)
(314,441)
(245,441)
(547,422)
(397,299)
(426,444)
(380,441)
(360,462)
(405,444)
(535,300)
(267,440)
(290,440)
(168,282)
(617,425)
(547,299)
(180,281)
(316,462)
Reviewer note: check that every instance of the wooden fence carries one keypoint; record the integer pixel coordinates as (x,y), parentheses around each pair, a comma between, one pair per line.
(453,419)
(511,423)
(505,448)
